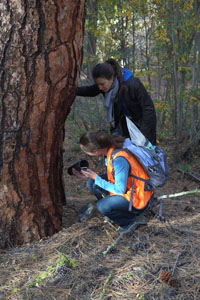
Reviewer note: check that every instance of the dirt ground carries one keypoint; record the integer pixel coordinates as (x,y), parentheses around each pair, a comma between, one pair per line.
(158,261)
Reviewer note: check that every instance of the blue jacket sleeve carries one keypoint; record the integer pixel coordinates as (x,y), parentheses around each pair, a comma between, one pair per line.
(121,169)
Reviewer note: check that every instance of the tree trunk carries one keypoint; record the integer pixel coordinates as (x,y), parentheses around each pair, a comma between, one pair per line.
(134,43)
(40,59)
(175,77)
(91,38)
(195,123)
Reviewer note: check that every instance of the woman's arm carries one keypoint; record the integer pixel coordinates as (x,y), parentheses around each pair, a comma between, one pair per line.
(121,168)
(148,120)
(88,91)
(148,124)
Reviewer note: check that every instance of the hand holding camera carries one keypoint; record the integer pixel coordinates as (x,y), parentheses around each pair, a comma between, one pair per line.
(78,174)
(80,165)
(80,170)
(89,174)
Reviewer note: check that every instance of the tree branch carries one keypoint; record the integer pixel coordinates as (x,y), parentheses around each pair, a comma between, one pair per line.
(178,194)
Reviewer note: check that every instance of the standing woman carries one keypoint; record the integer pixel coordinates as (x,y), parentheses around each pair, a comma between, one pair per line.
(120,187)
(124,95)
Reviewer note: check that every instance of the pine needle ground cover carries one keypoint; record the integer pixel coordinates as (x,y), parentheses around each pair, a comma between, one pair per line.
(160,260)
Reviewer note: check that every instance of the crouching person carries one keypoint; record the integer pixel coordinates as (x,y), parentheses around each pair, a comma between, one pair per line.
(124,192)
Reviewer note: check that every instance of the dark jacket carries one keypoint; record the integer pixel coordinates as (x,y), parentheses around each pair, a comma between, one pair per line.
(134,101)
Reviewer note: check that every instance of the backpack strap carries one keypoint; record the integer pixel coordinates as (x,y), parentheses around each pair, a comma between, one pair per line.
(115,151)
(131,199)
(132,192)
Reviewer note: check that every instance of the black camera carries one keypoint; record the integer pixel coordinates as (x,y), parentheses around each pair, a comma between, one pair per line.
(82,164)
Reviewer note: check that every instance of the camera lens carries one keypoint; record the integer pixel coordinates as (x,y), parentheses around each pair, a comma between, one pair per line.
(80,165)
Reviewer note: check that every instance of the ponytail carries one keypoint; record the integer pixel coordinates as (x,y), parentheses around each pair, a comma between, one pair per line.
(117,68)
(118,74)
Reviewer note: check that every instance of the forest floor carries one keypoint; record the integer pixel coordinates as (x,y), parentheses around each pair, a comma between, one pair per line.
(74,264)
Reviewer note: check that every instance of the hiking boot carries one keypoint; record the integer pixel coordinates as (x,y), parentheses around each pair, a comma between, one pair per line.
(85,212)
(137,221)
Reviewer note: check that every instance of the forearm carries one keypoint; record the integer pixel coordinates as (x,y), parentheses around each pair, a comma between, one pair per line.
(108,186)
(148,110)
(148,119)
(121,167)
(88,91)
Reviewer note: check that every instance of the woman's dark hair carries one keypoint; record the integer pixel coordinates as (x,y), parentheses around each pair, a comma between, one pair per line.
(107,70)
(94,140)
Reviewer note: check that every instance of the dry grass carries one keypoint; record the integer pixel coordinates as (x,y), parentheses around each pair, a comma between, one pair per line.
(131,270)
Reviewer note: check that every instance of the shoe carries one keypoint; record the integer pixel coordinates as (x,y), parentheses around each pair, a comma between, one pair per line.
(108,220)
(137,221)
(85,212)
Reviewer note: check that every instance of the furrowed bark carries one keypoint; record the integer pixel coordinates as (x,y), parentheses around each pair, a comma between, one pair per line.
(40,60)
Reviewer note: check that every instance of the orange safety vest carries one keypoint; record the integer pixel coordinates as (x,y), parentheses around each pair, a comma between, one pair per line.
(139,195)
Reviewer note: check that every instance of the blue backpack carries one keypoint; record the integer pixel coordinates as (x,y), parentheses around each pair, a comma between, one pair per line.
(153,159)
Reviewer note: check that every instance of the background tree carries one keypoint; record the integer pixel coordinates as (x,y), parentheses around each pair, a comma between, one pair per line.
(40,59)
(90,37)
(159,41)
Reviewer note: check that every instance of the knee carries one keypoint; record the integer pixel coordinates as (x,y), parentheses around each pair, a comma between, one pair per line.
(90,184)
(102,207)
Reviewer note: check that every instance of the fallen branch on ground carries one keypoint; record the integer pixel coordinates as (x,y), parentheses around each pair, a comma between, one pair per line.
(191,174)
(134,225)
(178,256)
(131,228)
(178,194)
